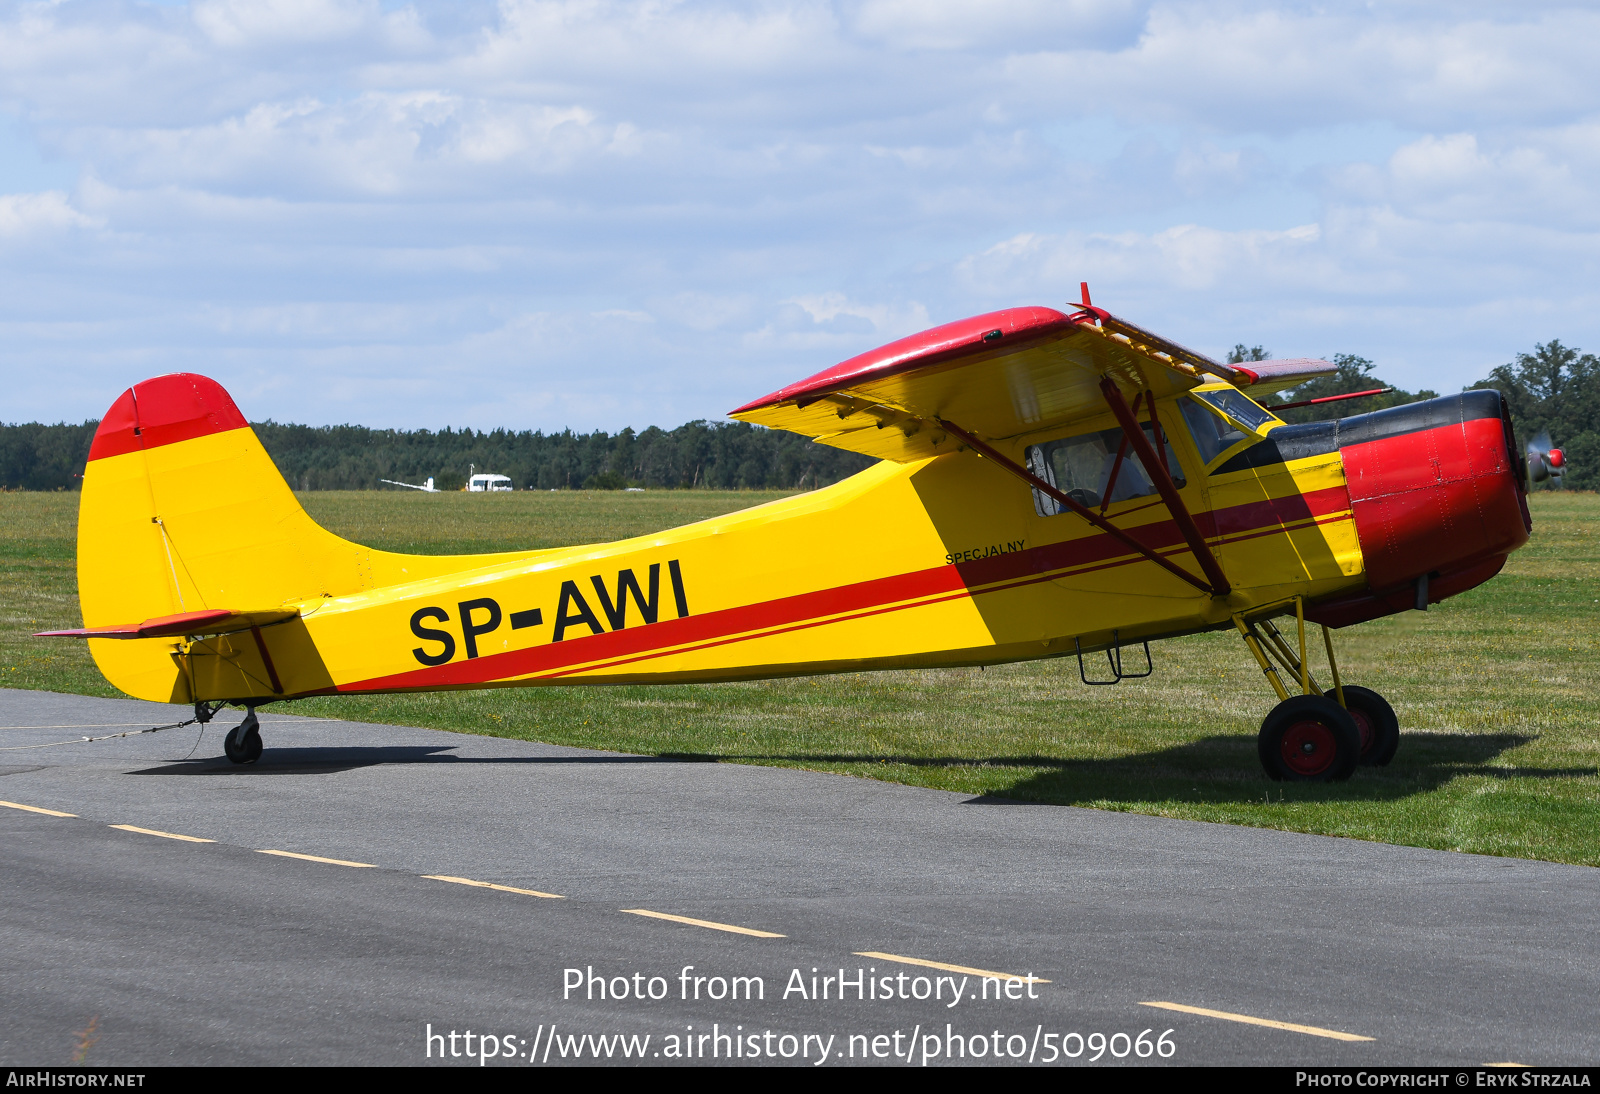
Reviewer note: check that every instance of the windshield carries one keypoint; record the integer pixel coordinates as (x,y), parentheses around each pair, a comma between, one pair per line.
(1237,407)
(1212,436)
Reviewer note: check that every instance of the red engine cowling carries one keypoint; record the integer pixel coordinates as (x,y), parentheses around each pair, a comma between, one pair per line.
(1439,502)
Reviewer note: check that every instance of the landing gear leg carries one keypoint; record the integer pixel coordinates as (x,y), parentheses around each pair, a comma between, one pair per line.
(1375,718)
(1315,736)
(243,742)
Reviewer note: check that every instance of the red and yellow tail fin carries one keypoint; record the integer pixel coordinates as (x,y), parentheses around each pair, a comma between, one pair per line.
(184,515)
(183,511)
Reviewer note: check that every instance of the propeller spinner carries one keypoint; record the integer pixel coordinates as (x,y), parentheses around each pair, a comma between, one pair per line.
(1545,462)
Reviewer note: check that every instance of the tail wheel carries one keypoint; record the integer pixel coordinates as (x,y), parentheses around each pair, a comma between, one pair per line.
(1308,738)
(1375,718)
(243,742)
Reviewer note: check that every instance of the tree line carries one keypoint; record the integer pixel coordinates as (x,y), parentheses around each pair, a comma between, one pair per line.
(1554,389)
(714,455)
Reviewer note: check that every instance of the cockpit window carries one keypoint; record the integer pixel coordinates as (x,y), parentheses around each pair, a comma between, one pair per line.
(1236,406)
(1081,467)
(1216,426)
(1212,436)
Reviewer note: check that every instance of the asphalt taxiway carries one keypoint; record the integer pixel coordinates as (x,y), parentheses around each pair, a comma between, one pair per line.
(364,885)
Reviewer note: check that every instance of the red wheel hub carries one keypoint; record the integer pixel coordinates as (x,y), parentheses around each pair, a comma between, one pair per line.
(1364,724)
(1308,748)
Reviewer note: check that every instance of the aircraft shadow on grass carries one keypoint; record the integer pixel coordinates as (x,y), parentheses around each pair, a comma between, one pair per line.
(1216,769)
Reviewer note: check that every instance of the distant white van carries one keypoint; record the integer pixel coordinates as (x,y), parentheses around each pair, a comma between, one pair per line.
(480,483)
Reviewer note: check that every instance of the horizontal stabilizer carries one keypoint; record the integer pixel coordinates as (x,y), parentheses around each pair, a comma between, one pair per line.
(212,621)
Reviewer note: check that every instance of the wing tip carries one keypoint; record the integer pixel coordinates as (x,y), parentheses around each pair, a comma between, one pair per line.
(1285,372)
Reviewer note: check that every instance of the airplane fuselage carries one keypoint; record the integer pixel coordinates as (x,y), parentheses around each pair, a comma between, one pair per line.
(946,561)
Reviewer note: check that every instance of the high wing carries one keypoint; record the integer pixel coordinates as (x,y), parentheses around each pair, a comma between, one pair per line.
(995,375)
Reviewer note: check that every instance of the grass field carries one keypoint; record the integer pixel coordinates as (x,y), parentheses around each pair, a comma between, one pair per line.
(1495,689)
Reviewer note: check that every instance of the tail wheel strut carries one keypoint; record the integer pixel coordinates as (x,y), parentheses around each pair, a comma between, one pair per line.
(243,742)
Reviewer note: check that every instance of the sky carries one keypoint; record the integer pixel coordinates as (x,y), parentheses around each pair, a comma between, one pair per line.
(594,214)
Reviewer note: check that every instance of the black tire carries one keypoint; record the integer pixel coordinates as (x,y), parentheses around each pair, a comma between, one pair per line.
(246,750)
(1376,721)
(1309,739)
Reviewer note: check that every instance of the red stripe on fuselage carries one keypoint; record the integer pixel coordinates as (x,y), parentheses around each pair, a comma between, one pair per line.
(1076,572)
(750,621)
(674,632)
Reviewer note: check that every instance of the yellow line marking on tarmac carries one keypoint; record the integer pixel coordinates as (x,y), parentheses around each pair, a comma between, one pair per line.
(1507,1063)
(1315,1031)
(491,885)
(319,858)
(703,923)
(158,832)
(37,809)
(1029,979)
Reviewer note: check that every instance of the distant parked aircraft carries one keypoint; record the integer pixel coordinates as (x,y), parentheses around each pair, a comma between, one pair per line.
(427,487)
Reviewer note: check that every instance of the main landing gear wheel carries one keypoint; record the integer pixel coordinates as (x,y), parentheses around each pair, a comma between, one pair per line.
(1375,718)
(243,742)
(1309,739)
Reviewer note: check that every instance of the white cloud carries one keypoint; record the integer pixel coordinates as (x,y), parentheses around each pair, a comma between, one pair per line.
(631,212)
(1436,307)
(235,23)
(1187,258)
(890,320)
(24,215)
(968,24)
(1454,178)
(1275,69)
(378,143)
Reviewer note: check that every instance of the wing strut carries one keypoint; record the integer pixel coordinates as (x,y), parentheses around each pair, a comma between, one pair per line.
(1083,511)
(1156,467)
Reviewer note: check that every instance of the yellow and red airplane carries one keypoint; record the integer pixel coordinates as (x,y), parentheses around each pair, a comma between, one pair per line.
(1051,483)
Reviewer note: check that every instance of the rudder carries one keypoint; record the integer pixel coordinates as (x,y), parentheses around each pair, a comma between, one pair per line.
(183,510)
